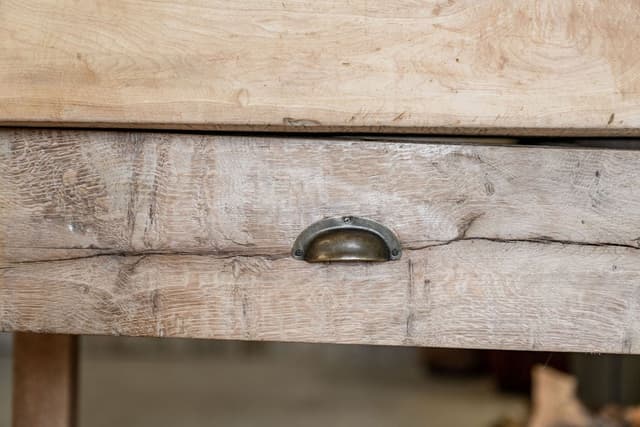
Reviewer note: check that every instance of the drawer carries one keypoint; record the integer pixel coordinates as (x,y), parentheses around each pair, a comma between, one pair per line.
(522,67)
(189,235)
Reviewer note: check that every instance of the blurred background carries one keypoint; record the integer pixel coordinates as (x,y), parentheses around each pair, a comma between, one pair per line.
(166,382)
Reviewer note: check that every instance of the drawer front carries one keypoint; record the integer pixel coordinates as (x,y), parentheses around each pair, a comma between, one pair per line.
(190,235)
(527,66)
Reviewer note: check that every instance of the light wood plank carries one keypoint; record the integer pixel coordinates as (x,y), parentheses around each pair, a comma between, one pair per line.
(74,193)
(189,235)
(44,380)
(526,67)
(468,294)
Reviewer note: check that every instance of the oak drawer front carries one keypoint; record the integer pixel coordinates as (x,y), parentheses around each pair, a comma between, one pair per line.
(529,67)
(190,235)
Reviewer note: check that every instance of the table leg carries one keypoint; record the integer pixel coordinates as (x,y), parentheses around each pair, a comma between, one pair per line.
(44,380)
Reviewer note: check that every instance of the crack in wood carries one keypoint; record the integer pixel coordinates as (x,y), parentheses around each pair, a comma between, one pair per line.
(543,241)
(282,255)
(409,322)
(142,254)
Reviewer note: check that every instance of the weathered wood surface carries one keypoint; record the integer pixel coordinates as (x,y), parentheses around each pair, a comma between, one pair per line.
(44,380)
(528,67)
(471,294)
(189,235)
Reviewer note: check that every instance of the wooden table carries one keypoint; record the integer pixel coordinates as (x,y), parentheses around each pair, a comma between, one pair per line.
(363,109)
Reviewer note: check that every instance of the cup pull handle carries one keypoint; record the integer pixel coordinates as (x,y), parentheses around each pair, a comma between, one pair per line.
(346,238)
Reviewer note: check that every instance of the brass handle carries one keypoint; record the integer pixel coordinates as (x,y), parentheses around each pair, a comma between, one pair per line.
(346,238)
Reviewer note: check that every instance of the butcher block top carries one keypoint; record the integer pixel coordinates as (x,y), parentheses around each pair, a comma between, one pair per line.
(538,67)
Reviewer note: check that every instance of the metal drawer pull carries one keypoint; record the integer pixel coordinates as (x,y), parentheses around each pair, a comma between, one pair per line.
(346,238)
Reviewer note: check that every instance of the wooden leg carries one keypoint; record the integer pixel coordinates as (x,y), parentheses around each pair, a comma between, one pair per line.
(44,380)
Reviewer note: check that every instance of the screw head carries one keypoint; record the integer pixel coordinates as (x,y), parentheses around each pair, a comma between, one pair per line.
(395,252)
(346,219)
(298,252)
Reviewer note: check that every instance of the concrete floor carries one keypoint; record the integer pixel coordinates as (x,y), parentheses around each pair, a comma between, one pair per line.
(140,383)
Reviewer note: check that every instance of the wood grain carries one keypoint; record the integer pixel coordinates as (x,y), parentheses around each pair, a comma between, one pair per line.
(44,380)
(189,235)
(527,67)
(86,192)
(467,294)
